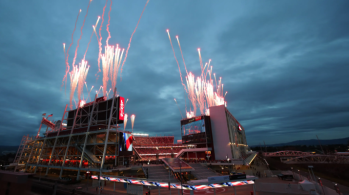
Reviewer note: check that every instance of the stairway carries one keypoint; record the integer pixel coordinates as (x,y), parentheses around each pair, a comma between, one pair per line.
(88,155)
(202,171)
(159,173)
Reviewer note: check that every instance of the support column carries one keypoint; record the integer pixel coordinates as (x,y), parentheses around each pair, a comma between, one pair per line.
(107,135)
(25,170)
(37,162)
(86,136)
(54,145)
(71,134)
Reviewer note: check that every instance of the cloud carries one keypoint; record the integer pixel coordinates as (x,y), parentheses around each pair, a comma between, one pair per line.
(284,64)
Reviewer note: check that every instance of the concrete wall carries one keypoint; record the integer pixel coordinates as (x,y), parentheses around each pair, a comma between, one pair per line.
(220,134)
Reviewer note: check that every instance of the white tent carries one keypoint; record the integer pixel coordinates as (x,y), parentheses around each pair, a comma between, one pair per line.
(307,185)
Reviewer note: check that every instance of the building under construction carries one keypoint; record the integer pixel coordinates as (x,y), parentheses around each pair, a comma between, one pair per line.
(86,139)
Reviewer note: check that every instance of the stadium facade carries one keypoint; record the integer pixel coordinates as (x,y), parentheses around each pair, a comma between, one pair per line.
(88,139)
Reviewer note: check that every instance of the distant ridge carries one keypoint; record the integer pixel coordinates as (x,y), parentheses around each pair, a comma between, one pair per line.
(310,142)
(8,149)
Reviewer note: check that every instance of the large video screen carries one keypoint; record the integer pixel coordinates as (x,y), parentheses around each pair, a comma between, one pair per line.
(197,126)
(125,141)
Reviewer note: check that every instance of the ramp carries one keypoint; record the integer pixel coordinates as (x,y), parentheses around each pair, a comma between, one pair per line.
(202,171)
(177,165)
(159,173)
(88,155)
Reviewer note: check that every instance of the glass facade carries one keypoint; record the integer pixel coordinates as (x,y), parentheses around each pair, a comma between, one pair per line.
(193,127)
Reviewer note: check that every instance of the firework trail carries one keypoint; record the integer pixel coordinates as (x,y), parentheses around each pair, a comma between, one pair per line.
(114,68)
(111,3)
(67,56)
(101,87)
(200,96)
(64,49)
(83,70)
(106,59)
(132,121)
(174,54)
(200,59)
(178,107)
(100,39)
(74,79)
(89,92)
(125,121)
(111,60)
(108,92)
(83,23)
(93,26)
(129,43)
(126,102)
(191,90)
(181,54)
(185,67)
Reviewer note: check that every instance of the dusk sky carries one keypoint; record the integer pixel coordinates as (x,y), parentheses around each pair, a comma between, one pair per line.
(285,64)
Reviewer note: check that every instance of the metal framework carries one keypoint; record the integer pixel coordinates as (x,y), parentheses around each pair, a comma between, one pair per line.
(286,153)
(318,159)
(90,144)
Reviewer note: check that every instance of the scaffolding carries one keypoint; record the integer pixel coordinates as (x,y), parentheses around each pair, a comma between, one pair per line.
(89,142)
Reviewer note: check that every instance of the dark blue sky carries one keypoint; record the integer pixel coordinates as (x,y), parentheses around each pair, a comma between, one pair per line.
(283,63)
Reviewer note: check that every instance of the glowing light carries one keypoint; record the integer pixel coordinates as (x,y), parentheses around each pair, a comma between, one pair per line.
(125,121)
(82,103)
(207,113)
(133,117)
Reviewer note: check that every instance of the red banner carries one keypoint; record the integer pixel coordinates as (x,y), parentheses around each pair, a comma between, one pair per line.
(121,108)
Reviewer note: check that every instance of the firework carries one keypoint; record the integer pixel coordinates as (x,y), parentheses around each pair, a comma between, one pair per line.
(174,54)
(199,52)
(83,70)
(83,23)
(74,79)
(94,30)
(110,64)
(107,41)
(200,96)
(129,43)
(67,56)
(178,107)
(132,121)
(191,90)
(100,39)
(64,49)
(125,121)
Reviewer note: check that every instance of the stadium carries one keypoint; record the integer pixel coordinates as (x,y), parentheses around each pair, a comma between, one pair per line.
(89,141)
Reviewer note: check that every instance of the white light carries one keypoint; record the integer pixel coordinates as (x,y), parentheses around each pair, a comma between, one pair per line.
(140,134)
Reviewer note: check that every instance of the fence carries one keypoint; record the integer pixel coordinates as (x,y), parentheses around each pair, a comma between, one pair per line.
(319,189)
(280,188)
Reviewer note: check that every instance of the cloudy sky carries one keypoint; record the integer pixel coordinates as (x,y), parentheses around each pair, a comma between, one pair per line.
(285,64)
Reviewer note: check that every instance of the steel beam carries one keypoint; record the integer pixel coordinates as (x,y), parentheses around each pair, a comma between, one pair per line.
(86,136)
(71,134)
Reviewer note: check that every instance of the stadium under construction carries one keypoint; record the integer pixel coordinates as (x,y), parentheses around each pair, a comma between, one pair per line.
(88,140)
